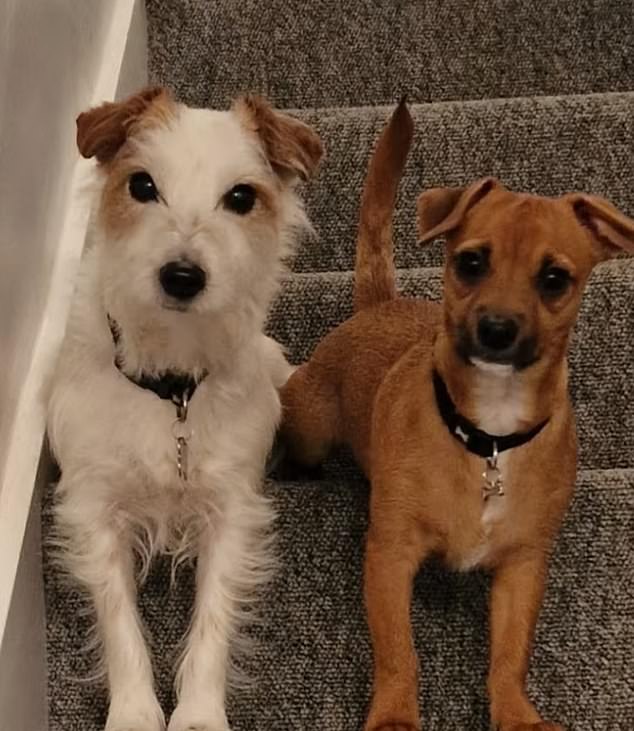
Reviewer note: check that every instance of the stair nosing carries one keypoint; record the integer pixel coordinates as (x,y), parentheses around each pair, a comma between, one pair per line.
(611,264)
(486,102)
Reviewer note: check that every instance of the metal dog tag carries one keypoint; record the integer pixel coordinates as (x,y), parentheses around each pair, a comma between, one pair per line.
(492,477)
(182,433)
(181,458)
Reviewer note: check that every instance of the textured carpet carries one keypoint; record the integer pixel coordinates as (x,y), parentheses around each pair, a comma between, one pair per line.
(335,62)
(311,658)
(333,53)
(547,146)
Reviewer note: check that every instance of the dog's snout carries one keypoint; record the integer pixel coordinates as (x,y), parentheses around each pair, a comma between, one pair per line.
(497,332)
(181,280)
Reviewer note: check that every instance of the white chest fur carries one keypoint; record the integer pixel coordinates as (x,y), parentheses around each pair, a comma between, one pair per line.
(495,511)
(500,401)
(500,406)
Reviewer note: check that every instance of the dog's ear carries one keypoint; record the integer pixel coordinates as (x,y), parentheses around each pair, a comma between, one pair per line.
(292,147)
(102,130)
(441,210)
(612,231)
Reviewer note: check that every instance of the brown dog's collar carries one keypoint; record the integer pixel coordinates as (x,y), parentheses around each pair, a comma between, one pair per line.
(467,433)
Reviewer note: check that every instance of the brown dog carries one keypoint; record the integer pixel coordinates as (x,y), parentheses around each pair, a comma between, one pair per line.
(418,390)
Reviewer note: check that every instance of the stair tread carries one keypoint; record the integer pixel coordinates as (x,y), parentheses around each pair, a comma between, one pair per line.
(546,145)
(317,54)
(311,659)
(340,112)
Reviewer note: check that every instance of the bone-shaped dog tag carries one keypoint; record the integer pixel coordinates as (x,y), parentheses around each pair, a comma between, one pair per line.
(493,484)
(492,477)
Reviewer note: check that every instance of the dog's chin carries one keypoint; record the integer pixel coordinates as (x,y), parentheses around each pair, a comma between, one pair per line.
(199,304)
(491,366)
(519,358)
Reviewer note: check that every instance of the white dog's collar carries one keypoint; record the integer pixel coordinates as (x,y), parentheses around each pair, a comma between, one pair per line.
(174,386)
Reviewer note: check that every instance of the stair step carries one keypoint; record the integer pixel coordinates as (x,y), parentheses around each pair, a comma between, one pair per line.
(601,356)
(311,660)
(548,146)
(332,53)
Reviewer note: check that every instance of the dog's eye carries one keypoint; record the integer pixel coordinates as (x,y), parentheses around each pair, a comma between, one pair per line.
(471,264)
(553,281)
(240,199)
(142,187)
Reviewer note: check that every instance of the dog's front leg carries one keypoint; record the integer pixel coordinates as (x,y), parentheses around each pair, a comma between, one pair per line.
(232,561)
(394,551)
(99,555)
(516,596)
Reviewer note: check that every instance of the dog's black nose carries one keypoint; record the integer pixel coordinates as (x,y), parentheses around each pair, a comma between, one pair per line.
(182,281)
(497,332)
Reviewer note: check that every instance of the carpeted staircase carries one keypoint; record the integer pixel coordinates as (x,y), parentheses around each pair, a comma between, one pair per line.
(537,94)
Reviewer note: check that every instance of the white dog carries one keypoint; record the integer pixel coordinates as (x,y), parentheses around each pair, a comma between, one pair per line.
(164,401)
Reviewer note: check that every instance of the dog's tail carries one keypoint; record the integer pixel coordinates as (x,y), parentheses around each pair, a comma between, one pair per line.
(374,275)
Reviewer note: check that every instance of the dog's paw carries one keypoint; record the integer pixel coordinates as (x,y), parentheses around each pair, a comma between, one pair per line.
(124,717)
(200,726)
(540,726)
(187,718)
(133,724)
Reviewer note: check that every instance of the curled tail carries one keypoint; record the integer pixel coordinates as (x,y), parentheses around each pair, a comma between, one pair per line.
(374,275)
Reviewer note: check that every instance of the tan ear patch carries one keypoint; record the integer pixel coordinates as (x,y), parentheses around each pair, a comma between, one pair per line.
(612,231)
(103,130)
(441,210)
(292,147)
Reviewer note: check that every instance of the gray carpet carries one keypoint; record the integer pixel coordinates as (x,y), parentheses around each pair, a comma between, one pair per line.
(336,62)
(547,146)
(334,53)
(311,657)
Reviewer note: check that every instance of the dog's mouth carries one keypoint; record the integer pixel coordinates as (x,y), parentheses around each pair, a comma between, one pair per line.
(175,305)
(522,354)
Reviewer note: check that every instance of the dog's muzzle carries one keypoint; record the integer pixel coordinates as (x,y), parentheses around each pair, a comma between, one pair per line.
(497,339)
(181,280)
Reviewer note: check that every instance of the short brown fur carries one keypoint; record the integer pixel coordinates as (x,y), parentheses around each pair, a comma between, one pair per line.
(102,131)
(291,146)
(369,384)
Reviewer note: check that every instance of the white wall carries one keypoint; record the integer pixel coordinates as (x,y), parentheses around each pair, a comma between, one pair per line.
(23,701)
(57,57)
(48,60)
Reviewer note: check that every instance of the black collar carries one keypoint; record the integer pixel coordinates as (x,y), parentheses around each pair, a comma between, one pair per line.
(173,386)
(467,433)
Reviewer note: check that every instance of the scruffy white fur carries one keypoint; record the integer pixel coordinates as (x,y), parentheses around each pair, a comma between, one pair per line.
(119,495)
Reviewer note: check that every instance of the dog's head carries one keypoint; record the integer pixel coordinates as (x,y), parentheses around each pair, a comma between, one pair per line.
(197,207)
(516,266)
